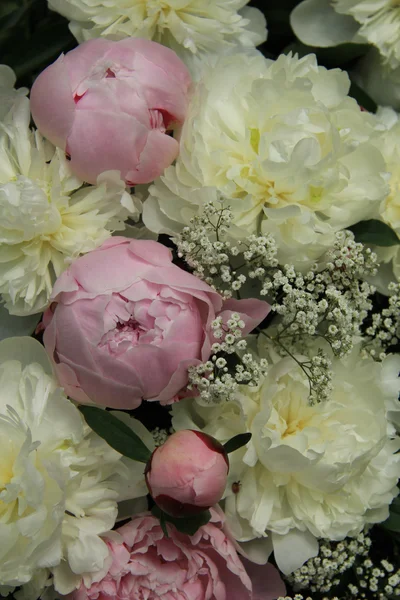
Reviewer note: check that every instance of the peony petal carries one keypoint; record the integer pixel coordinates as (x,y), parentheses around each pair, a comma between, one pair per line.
(292,550)
(159,152)
(83,60)
(252,312)
(266,581)
(104,141)
(52,104)
(25,350)
(316,23)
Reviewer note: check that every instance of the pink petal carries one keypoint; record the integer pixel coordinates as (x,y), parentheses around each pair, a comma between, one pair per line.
(266,581)
(160,150)
(83,59)
(104,141)
(252,312)
(52,104)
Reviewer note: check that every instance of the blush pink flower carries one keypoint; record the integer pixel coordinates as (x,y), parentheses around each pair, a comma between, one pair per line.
(187,474)
(143,564)
(109,105)
(125,324)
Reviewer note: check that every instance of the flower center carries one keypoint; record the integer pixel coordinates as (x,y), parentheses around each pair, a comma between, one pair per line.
(294,427)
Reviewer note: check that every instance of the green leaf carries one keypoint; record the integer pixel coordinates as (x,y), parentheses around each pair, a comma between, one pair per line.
(118,435)
(187,525)
(7,7)
(375,232)
(237,442)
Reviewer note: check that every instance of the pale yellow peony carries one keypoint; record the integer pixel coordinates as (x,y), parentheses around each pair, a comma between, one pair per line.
(192,28)
(309,471)
(283,145)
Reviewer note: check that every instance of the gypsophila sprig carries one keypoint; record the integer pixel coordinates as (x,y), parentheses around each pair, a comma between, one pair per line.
(230,365)
(329,301)
(384,331)
(160,436)
(213,258)
(324,572)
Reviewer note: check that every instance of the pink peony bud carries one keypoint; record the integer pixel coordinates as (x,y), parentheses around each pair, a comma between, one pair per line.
(109,106)
(188,473)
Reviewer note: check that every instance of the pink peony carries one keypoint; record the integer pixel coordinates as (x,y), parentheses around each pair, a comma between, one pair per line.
(108,105)
(125,324)
(145,565)
(187,474)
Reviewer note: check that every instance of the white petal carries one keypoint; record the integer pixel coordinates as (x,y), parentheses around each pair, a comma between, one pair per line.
(258,550)
(292,550)
(316,23)
(26,350)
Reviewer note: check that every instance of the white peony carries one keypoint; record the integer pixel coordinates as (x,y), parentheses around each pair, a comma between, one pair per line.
(309,471)
(47,218)
(327,23)
(379,25)
(283,145)
(59,482)
(191,28)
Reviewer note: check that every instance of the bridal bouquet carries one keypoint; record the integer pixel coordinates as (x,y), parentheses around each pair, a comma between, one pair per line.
(200,300)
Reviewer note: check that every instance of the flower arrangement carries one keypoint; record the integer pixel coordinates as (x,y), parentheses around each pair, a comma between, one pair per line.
(200,300)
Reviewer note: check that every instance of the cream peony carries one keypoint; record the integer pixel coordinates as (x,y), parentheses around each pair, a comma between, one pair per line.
(379,25)
(309,471)
(48,219)
(283,145)
(190,27)
(59,482)
(327,23)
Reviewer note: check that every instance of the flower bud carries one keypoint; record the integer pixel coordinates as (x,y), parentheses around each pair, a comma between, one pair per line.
(188,473)
(110,105)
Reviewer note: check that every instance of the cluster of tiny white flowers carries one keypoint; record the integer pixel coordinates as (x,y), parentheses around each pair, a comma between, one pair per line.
(384,330)
(160,436)
(330,301)
(382,579)
(322,573)
(217,260)
(300,597)
(229,365)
